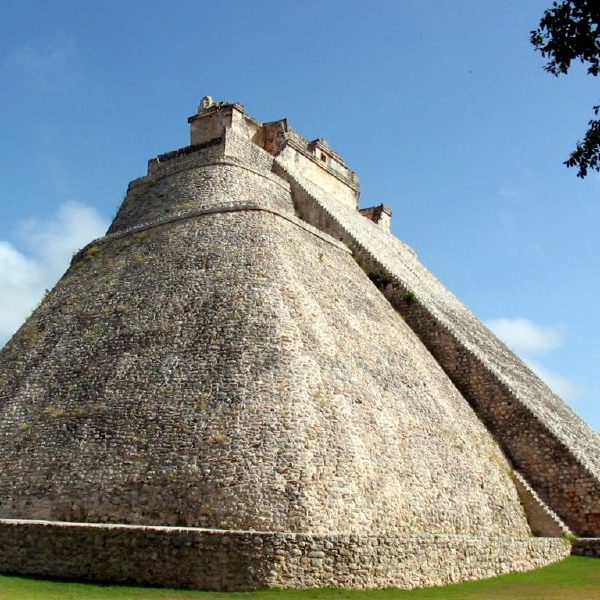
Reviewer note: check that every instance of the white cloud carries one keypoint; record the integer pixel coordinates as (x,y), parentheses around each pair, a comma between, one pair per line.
(527,338)
(511,193)
(50,66)
(536,251)
(523,335)
(560,385)
(20,284)
(53,242)
(24,276)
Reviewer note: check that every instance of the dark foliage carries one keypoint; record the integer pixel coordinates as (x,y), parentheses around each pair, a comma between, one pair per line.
(379,279)
(569,31)
(410,297)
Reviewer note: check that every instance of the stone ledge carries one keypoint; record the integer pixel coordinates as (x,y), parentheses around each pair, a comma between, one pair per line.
(213,210)
(586,547)
(245,560)
(162,158)
(201,161)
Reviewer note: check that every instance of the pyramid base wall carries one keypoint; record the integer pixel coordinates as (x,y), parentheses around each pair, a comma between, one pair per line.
(247,560)
(586,547)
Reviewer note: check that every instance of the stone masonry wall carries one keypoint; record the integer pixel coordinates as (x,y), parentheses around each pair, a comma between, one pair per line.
(313,171)
(230,403)
(214,362)
(586,547)
(197,182)
(190,371)
(546,441)
(542,520)
(243,560)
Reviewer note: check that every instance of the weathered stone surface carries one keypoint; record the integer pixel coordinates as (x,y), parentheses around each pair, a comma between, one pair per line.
(229,401)
(221,360)
(542,520)
(246,560)
(587,547)
(546,441)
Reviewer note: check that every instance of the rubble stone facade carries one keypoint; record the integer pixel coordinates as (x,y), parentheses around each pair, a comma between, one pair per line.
(248,383)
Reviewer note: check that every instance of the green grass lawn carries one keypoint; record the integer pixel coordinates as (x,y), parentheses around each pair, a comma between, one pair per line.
(575,578)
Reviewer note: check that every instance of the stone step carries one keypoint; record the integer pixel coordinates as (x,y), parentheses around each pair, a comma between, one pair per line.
(542,520)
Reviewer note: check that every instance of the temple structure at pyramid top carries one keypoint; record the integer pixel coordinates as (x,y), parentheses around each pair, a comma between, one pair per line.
(321,164)
(250,382)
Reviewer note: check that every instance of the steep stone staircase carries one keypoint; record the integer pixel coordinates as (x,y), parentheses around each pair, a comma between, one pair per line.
(556,453)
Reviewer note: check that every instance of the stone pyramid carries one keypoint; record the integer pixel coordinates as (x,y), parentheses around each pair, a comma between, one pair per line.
(249,382)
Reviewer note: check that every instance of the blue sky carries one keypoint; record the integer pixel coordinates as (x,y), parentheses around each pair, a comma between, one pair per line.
(442,108)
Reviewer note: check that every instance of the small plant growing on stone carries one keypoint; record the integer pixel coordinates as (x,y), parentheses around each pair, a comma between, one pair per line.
(568,538)
(141,236)
(23,427)
(90,336)
(137,440)
(218,438)
(379,279)
(54,411)
(202,403)
(79,413)
(93,251)
(410,297)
